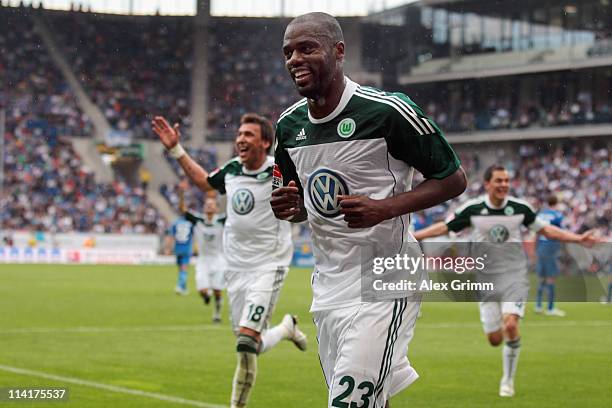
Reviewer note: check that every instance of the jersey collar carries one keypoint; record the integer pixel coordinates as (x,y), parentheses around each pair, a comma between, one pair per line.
(347,94)
(264,166)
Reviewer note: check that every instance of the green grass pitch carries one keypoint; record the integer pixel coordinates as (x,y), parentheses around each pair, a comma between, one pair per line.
(124,327)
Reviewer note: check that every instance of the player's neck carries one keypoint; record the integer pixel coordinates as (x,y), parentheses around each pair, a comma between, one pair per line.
(324,105)
(496,202)
(209,217)
(255,165)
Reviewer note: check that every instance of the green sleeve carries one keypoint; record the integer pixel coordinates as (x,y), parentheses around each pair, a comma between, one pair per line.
(416,140)
(284,168)
(216,178)
(193,217)
(460,222)
(529,216)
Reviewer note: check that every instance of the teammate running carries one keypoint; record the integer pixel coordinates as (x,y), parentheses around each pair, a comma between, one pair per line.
(258,247)
(496,219)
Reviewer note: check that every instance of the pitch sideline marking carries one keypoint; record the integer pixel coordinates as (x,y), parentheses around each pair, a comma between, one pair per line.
(107,387)
(93,329)
(203,328)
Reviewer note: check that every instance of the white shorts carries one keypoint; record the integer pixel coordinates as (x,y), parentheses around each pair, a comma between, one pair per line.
(253,296)
(491,314)
(209,273)
(363,351)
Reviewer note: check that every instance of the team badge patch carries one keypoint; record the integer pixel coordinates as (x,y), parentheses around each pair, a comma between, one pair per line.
(243,201)
(508,210)
(346,128)
(277,177)
(324,187)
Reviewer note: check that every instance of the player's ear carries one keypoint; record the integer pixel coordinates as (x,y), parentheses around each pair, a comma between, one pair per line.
(339,46)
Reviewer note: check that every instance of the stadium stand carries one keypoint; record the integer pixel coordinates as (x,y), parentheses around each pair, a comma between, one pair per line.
(48,188)
(132,68)
(246,77)
(46,185)
(579,174)
(33,90)
(500,114)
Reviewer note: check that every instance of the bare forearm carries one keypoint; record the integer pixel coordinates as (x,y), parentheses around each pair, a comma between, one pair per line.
(429,193)
(437,229)
(195,172)
(553,232)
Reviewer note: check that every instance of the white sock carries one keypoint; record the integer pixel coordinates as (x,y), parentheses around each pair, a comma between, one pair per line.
(244,379)
(510,355)
(272,337)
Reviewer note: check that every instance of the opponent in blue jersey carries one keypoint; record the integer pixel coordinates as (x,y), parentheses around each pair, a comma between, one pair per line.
(547,256)
(182,232)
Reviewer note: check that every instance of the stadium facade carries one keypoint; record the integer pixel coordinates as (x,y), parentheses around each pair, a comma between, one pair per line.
(506,81)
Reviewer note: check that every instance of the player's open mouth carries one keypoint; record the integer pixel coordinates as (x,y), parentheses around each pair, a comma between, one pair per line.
(302,77)
(243,150)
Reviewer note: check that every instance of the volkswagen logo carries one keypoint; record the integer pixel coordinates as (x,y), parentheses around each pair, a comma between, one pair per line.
(324,187)
(243,201)
(499,233)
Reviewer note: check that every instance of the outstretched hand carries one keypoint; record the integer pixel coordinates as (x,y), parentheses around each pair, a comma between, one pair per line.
(589,238)
(362,212)
(286,201)
(169,135)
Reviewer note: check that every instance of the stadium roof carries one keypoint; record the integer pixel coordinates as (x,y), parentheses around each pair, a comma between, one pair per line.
(247,8)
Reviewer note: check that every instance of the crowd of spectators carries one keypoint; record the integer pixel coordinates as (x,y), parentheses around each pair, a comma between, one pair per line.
(32,90)
(500,115)
(247,73)
(132,68)
(579,174)
(47,187)
(45,184)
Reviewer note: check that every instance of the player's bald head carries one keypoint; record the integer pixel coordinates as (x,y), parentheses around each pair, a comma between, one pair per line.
(322,24)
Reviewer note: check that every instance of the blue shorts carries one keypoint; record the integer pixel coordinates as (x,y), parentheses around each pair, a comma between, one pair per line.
(547,267)
(182,259)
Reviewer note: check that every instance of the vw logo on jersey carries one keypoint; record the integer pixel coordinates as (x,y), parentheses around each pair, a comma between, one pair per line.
(324,187)
(498,233)
(243,201)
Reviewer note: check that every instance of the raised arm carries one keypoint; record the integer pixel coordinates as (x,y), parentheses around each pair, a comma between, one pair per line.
(170,138)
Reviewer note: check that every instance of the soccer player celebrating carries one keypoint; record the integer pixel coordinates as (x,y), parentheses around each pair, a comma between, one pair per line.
(257,246)
(211,262)
(547,252)
(497,218)
(343,158)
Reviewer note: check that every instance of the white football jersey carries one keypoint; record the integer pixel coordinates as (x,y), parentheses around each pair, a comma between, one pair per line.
(496,231)
(209,237)
(367,146)
(254,239)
